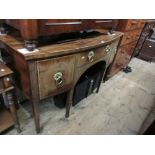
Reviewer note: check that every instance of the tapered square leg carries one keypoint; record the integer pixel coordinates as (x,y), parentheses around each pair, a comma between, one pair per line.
(69,102)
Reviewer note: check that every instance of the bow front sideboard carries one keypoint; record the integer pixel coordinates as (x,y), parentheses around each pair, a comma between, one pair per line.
(53,69)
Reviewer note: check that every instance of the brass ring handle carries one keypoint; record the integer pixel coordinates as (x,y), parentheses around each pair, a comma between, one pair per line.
(58,77)
(91,56)
(107,49)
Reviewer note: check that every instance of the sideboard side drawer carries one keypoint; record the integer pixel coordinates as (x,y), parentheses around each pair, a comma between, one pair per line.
(49,70)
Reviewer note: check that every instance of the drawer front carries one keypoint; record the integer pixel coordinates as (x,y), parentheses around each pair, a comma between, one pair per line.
(128,48)
(130,36)
(114,45)
(148,48)
(105,23)
(85,57)
(55,75)
(57,26)
(132,24)
(141,23)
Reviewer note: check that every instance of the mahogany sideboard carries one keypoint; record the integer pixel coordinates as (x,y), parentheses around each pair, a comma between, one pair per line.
(32,29)
(56,68)
(132,29)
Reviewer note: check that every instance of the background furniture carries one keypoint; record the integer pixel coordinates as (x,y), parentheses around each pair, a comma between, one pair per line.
(56,68)
(149,24)
(132,29)
(32,29)
(147,51)
(9,117)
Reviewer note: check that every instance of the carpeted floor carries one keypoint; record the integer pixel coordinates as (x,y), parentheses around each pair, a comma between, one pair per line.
(120,107)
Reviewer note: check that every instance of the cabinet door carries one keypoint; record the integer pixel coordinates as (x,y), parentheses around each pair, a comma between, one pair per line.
(148,50)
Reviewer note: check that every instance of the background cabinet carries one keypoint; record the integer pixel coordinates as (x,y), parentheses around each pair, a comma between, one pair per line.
(32,29)
(132,29)
(145,46)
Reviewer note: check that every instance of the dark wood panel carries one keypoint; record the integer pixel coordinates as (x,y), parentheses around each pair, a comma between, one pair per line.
(15,23)
(54,26)
(148,50)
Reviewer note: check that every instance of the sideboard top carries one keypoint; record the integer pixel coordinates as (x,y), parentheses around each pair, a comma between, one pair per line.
(16,44)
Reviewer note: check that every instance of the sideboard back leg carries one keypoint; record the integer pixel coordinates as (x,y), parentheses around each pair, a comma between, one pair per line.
(36,114)
(69,101)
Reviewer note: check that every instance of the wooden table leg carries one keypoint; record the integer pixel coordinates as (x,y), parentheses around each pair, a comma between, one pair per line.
(35,94)
(11,97)
(36,114)
(69,101)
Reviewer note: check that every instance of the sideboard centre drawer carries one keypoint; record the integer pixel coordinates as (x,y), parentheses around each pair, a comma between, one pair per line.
(55,75)
(94,55)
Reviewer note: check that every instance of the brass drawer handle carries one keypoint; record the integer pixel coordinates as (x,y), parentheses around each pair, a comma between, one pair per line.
(58,77)
(63,23)
(107,49)
(91,55)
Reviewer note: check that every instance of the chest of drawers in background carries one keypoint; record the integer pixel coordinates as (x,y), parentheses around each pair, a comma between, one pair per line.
(140,50)
(132,29)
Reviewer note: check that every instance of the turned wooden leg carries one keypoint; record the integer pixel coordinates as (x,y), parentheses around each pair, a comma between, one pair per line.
(11,97)
(69,101)
(36,114)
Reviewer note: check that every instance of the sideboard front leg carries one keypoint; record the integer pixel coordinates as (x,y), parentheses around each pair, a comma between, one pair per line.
(35,94)
(69,101)
(36,114)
